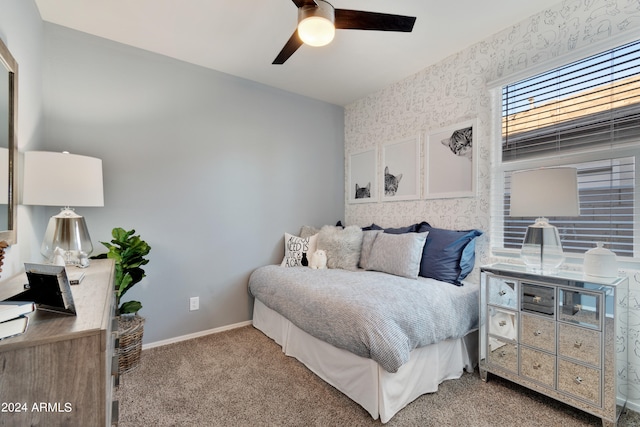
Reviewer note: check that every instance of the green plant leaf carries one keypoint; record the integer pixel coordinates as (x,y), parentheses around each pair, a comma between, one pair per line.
(128,251)
(130,307)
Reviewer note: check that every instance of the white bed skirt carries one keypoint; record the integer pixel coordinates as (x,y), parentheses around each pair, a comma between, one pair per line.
(381,393)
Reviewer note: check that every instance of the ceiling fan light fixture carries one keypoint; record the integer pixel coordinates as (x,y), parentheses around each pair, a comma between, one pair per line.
(316,24)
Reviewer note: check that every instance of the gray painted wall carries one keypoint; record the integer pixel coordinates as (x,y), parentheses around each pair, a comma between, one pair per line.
(209,168)
(21,31)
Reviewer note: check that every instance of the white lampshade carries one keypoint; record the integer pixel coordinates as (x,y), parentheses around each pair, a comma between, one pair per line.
(540,193)
(545,192)
(316,24)
(63,179)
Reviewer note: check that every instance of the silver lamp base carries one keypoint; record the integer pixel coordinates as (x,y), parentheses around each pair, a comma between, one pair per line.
(542,249)
(67,236)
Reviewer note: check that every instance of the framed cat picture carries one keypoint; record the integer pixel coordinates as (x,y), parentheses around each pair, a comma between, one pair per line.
(400,171)
(363,172)
(450,161)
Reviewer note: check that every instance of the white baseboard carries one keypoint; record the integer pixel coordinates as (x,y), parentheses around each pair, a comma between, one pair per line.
(633,406)
(195,335)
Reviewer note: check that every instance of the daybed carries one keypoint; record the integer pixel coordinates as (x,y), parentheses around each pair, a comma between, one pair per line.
(372,325)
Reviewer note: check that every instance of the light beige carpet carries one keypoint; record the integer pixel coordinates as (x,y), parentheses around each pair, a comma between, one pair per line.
(242,378)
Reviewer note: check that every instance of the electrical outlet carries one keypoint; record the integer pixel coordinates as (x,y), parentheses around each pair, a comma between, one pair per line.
(194,303)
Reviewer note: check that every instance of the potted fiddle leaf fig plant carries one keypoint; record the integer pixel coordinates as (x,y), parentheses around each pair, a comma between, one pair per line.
(128,251)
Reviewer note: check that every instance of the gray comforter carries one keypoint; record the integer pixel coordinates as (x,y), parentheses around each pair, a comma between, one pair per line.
(371,314)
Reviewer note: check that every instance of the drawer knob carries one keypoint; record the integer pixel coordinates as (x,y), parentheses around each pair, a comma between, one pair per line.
(502,353)
(537,333)
(502,293)
(502,323)
(577,344)
(537,299)
(578,380)
(536,365)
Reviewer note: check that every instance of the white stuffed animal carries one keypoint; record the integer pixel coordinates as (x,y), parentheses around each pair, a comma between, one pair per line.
(318,260)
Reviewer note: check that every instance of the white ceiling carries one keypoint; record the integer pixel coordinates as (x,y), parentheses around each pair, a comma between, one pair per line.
(242,38)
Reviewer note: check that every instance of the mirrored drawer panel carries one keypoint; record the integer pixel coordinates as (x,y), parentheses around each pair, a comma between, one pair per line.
(538,299)
(538,366)
(580,381)
(502,292)
(538,332)
(579,343)
(503,354)
(503,323)
(579,307)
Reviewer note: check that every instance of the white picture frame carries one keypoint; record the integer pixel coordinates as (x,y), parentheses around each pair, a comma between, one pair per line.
(450,161)
(400,170)
(363,172)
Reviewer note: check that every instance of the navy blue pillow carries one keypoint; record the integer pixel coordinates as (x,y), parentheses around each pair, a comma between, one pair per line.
(409,229)
(448,255)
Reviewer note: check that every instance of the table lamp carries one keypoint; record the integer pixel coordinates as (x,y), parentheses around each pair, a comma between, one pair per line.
(541,193)
(64,179)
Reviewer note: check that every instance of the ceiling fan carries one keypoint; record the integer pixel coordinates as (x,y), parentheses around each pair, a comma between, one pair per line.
(318,20)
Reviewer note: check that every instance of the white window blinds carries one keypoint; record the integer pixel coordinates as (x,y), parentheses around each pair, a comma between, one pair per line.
(589,103)
(588,108)
(606,193)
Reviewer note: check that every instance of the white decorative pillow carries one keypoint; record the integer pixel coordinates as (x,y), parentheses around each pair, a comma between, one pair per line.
(397,254)
(342,246)
(295,247)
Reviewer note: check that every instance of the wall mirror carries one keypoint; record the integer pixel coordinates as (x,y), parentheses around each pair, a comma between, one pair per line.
(8,145)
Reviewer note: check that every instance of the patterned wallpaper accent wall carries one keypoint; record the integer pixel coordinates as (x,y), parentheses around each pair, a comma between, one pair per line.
(457,89)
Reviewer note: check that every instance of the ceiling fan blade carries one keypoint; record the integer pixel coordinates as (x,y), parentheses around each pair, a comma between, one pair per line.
(300,3)
(360,20)
(289,48)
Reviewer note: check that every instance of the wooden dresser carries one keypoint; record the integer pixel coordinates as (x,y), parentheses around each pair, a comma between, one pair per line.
(62,371)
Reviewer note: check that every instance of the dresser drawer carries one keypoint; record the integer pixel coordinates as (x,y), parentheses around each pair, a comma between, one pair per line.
(538,332)
(538,299)
(579,307)
(503,323)
(503,355)
(502,292)
(579,343)
(579,381)
(538,366)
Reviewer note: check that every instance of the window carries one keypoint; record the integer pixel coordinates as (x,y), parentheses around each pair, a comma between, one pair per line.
(586,115)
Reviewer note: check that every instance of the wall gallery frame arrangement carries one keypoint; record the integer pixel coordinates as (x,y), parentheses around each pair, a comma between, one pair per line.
(450,162)
(394,173)
(363,176)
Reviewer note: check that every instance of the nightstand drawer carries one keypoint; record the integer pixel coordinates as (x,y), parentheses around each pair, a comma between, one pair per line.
(538,299)
(538,332)
(538,366)
(579,343)
(503,354)
(502,292)
(580,381)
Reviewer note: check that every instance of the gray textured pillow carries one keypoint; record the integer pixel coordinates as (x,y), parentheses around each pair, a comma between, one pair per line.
(308,231)
(368,237)
(342,246)
(397,254)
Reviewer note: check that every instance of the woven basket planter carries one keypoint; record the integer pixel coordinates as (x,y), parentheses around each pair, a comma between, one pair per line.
(130,330)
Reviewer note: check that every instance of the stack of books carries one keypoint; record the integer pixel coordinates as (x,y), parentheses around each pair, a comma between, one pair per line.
(13,317)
